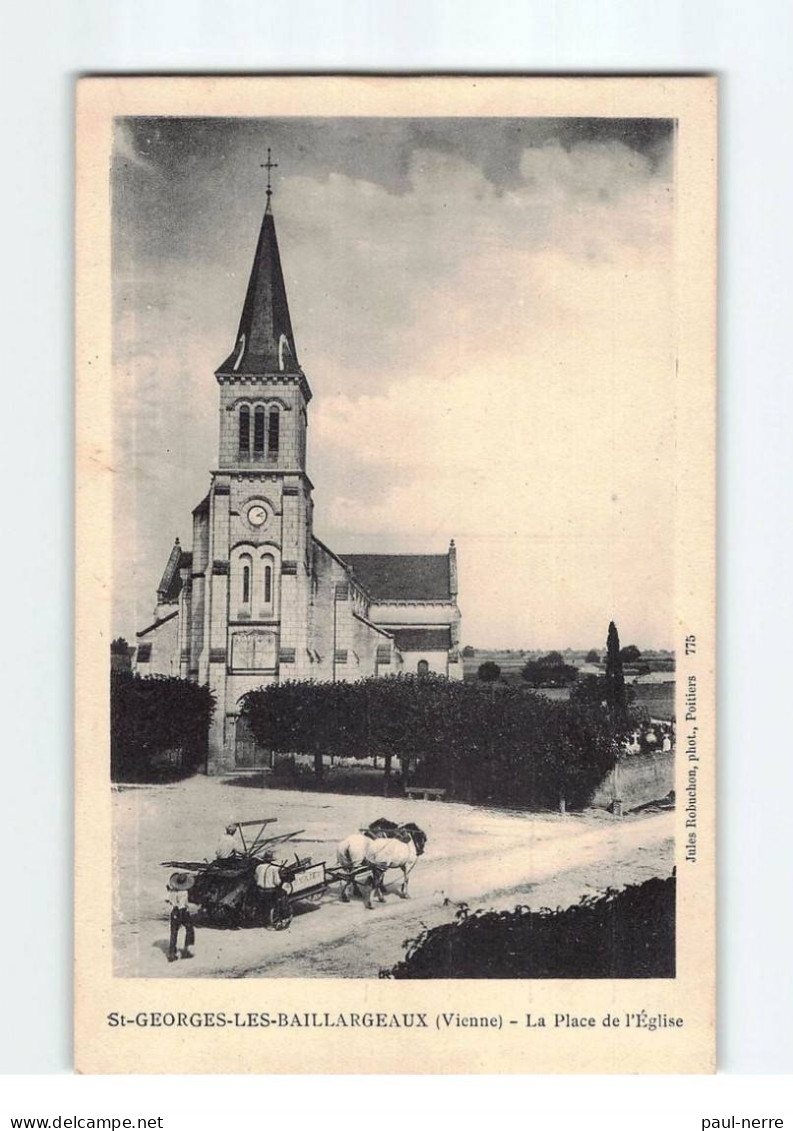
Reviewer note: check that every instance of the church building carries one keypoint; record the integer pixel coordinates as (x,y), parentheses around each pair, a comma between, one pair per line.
(260,599)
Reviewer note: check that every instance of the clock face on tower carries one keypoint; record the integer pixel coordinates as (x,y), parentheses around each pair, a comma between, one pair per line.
(257,515)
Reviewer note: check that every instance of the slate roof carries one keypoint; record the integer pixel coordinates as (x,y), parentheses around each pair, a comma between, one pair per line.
(422,639)
(402,577)
(265,320)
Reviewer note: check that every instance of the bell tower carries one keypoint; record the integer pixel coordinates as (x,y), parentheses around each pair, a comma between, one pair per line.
(263,390)
(252,533)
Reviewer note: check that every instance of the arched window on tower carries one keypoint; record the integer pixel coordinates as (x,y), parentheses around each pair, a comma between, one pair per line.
(258,432)
(242,586)
(423,667)
(273,433)
(266,595)
(245,432)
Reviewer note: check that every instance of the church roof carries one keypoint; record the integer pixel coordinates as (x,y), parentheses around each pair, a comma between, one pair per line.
(402,577)
(422,639)
(265,343)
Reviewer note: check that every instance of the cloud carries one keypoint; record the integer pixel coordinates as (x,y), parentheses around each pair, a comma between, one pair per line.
(549,447)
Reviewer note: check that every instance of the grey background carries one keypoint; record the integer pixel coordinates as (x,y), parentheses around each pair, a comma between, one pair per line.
(44,47)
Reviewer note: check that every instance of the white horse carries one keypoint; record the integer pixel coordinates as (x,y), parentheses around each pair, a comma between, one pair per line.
(382,849)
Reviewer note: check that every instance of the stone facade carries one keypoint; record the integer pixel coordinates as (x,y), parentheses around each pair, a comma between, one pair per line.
(259,598)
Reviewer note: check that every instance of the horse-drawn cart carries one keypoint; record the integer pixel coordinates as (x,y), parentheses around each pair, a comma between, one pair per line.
(227,892)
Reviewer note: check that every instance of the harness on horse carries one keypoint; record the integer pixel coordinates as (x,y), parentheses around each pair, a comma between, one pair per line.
(383,829)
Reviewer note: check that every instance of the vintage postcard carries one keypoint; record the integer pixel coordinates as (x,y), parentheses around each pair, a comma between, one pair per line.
(396,575)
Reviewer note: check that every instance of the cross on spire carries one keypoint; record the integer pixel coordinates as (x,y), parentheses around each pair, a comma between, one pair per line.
(265,343)
(269,165)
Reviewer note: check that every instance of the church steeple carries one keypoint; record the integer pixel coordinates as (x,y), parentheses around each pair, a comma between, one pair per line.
(265,343)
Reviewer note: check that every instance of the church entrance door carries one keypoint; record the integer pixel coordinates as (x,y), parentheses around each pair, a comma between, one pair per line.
(248,754)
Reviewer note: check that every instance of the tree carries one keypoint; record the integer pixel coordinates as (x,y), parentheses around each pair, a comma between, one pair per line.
(489,672)
(390,716)
(120,655)
(593,656)
(616,698)
(630,654)
(483,742)
(159,726)
(549,671)
(469,650)
(591,689)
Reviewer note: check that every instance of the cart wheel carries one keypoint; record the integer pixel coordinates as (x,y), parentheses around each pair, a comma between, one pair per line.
(281,915)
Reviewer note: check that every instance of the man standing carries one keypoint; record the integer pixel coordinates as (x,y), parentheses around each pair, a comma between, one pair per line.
(269,883)
(178,887)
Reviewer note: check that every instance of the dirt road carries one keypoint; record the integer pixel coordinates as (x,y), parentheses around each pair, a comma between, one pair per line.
(486,858)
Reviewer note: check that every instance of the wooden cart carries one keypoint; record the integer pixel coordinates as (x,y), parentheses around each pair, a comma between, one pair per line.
(226,890)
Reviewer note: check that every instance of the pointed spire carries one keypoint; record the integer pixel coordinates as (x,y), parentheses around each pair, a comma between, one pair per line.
(265,343)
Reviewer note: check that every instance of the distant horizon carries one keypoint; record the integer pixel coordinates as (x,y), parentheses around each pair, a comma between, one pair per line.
(590,648)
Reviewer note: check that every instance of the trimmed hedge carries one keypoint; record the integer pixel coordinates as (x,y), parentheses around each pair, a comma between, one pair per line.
(488,743)
(627,934)
(159,727)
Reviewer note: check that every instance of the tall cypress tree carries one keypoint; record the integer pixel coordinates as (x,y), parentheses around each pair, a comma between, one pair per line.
(616,696)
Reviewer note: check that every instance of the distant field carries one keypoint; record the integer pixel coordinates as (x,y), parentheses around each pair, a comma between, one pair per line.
(510,663)
(657,696)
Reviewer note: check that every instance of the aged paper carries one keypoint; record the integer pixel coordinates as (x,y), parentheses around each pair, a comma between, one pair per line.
(395,524)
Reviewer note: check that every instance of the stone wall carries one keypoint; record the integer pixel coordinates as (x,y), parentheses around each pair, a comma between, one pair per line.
(640,779)
(159,646)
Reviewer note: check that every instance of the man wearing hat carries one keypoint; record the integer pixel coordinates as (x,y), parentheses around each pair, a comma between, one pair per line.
(178,887)
(268,881)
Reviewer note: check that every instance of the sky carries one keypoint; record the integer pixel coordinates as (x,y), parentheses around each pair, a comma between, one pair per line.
(484,309)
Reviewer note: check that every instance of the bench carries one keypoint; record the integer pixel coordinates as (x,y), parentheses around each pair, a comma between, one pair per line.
(426,793)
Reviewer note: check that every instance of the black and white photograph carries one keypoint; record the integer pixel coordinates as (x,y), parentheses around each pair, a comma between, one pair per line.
(397,678)
(393,547)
